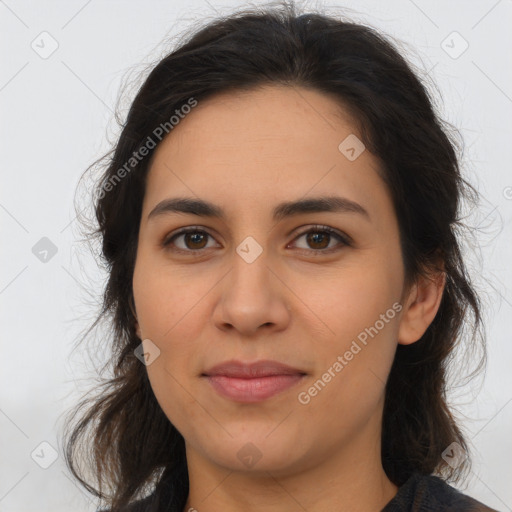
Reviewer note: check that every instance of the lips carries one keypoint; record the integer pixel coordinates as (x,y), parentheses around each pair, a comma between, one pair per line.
(240,370)
(252,382)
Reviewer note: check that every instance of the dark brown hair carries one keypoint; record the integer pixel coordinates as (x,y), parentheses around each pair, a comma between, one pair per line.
(122,434)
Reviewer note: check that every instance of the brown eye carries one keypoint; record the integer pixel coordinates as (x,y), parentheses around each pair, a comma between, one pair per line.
(188,240)
(318,240)
(195,240)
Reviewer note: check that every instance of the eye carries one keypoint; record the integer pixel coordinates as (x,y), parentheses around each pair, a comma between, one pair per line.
(192,240)
(319,238)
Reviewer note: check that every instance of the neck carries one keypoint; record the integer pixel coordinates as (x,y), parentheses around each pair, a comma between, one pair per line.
(350,480)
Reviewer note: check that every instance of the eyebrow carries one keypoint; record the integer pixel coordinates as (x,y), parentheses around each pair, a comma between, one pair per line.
(283,210)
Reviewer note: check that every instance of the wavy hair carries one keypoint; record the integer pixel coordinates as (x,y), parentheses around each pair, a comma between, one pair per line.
(121,434)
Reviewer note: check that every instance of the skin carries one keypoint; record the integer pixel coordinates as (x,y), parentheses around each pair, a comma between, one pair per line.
(247,152)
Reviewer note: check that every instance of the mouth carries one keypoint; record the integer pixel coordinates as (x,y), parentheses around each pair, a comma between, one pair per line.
(249,383)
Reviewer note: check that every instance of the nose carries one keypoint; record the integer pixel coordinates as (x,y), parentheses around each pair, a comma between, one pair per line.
(252,297)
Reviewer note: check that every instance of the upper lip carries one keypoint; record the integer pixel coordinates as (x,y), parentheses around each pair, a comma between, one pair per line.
(241,370)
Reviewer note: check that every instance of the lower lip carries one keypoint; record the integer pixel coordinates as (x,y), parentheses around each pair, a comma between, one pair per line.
(252,390)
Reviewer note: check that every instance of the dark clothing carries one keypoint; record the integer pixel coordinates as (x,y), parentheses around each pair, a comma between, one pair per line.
(428,493)
(420,493)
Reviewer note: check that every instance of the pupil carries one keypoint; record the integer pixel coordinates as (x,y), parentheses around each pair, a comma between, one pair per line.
(317,238)
(196,238)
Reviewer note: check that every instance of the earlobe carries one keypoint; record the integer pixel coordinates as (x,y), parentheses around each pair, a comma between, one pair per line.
(421,307)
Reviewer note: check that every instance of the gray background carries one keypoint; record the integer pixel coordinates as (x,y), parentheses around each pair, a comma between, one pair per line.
(57,118)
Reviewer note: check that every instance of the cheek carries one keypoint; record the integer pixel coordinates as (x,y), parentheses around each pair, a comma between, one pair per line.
(171,318)
(172,374)
(360,307)
(166,297)
(172,391)
(351,370)
(168,306)
(351,298)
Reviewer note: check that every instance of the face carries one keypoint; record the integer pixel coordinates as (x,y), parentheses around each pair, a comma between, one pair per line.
(319,289)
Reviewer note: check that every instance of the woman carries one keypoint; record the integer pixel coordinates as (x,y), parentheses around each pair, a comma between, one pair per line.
(285,283)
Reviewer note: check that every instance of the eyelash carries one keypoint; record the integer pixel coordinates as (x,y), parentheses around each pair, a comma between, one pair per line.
(344,240)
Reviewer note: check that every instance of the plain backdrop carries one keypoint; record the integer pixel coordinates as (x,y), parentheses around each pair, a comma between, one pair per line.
(63,63)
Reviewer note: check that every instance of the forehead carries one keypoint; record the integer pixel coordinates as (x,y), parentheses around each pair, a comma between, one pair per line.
(261,146)
(278,117)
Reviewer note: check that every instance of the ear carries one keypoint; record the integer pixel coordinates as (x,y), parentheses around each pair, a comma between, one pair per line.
(131,303)
(421,306)
(137,330)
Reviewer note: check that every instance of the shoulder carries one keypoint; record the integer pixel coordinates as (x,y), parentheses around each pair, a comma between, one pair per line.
(426,493)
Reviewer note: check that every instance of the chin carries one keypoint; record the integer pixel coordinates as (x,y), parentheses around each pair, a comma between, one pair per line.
(256,453)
